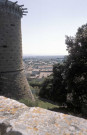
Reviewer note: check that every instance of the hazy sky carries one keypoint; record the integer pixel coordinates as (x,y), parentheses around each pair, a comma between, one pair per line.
(47,23)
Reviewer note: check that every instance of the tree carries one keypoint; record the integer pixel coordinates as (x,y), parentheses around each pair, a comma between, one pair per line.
(47,88)
(70,78)
(53,87)
(76,66)
(59,83)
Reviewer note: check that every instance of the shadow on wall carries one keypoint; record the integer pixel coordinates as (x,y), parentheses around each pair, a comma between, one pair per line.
(3,130)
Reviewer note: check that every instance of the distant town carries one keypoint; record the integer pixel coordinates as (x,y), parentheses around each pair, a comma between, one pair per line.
(39,67)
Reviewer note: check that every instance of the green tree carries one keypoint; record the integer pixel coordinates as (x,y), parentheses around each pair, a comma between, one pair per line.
(70,78)
(76,66)
(53,87)
(47,88)
(59,83)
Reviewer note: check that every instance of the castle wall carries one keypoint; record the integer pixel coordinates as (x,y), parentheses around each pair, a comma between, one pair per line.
(10,43)
(14,85)
(13,82)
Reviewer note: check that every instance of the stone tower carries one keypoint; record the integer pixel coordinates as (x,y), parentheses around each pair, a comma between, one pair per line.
(13,82)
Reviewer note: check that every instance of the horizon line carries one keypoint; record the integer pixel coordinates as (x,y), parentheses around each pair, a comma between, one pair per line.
(44,55)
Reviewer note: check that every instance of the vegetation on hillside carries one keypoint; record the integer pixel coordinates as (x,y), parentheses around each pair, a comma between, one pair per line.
(67,86)
(69,81)
(39,103)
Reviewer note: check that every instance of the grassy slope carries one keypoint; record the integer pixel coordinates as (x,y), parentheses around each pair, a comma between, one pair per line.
(39,103)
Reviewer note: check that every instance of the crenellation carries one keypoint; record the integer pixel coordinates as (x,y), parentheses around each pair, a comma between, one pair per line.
(11,8)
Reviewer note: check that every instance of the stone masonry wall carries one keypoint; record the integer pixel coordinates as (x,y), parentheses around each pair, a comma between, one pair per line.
(14,85)
(18,119)
(13,82)
(10,43)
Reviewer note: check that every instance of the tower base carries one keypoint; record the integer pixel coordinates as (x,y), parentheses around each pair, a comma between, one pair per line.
(14,85)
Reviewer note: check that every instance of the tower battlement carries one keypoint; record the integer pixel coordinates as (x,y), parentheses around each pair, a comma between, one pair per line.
(12,8)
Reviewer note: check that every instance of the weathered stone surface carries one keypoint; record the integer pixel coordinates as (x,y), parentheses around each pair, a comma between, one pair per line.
(13,82)
(18,119)
(14,85)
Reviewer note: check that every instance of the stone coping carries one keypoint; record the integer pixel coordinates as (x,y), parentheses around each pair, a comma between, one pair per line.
(18,119)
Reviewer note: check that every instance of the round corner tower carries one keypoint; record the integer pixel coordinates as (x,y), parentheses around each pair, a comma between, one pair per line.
(13,82)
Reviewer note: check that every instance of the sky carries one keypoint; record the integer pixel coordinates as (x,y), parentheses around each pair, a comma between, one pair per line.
(47,22)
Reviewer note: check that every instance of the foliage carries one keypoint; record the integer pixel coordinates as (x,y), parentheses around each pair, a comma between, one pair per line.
(53,87)
(35,82)
(76,66)
(59,83)
(35,86)
(35,90)
(70,78)
(47,88)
